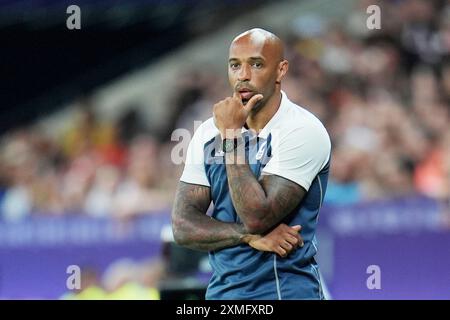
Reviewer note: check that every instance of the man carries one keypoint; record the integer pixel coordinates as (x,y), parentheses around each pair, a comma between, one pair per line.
(263,161)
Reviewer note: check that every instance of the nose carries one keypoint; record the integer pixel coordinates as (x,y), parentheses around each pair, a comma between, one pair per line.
(244,73)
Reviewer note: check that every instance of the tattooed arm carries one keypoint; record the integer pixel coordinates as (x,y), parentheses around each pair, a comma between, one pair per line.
(260,204)
(191,226)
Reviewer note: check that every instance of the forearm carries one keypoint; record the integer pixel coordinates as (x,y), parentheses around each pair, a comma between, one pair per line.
(200,232)
(261,204)
(192,228)
(249,197)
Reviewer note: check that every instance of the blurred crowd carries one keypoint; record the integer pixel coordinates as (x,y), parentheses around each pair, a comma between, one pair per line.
(383,95)
(95,168)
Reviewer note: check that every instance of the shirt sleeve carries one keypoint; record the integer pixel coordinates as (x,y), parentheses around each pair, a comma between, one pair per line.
(299,155)
(194,168)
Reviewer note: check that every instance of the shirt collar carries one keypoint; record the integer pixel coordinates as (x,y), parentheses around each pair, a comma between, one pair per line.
(268,127)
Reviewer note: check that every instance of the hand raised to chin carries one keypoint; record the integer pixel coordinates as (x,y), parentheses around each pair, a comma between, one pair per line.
(230,114)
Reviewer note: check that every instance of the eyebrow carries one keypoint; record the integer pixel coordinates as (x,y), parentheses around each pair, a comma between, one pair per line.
(250,59)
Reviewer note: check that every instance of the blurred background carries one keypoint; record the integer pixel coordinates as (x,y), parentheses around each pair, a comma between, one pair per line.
(86,145)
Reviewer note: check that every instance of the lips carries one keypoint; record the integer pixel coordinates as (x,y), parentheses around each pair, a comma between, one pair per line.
(245,94)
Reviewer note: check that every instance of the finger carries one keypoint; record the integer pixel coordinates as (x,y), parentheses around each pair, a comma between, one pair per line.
(294,230)
(281,251)
(252,102)
(300,241)
(286,246)
(292,247)
(294,241)
(237,95)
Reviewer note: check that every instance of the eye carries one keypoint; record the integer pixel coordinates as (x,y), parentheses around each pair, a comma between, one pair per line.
(234,66)
(257,65)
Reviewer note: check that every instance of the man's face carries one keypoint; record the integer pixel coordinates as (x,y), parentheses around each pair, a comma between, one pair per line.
(252,69)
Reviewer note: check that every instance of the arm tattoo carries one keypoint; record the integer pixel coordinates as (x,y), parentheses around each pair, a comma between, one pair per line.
(260,204)
(191,226)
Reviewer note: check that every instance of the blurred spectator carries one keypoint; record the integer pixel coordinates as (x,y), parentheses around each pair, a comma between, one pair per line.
(123,279)
(100,198)
(86,132)
(137,193)
(17,157)
(90,287)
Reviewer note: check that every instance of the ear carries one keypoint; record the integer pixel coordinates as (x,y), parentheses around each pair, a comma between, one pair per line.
(283,67)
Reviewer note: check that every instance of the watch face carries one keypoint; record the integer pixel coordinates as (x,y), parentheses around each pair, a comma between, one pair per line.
(228,145)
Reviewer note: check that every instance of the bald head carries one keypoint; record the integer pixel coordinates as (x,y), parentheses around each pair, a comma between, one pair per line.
(262,40)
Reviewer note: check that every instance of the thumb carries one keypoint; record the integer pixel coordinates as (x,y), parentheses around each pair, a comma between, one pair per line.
(252,102)
(297,227)
(237,95)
